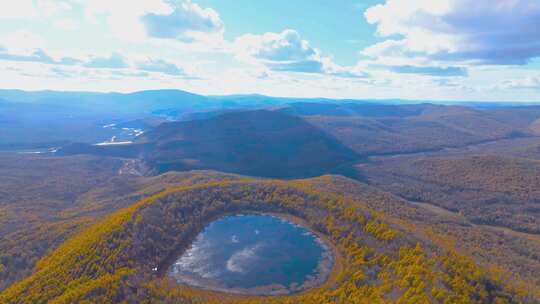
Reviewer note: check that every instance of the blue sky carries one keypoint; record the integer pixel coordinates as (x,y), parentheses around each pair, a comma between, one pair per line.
(409,49)
(321,22)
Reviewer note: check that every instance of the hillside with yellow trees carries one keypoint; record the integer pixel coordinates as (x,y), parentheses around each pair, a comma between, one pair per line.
(124,256)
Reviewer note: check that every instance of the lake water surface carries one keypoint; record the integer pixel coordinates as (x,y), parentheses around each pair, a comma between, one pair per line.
(254,254)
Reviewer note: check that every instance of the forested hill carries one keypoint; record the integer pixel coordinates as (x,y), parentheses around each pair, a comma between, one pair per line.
(258,143)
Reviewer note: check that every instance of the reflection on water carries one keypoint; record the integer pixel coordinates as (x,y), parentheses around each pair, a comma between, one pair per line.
(254,254)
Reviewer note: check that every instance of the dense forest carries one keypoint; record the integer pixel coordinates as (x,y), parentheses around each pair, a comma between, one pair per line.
(486,189)
(431,128)
(62,196)
(114,259)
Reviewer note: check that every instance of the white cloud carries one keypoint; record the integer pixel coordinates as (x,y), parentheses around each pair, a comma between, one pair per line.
(465,31)
(123,16)
(531,82)
(37,55)
(22,41)
(20,9)
(161,66)
(49,8)
(25,46)
(287,52)
(427,70)
(65,24)
(183,22)
(286,46)
(135,64)
(114,61)
(139,20)
(28,9)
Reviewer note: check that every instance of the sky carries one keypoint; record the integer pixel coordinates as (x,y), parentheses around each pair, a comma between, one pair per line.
(463,50)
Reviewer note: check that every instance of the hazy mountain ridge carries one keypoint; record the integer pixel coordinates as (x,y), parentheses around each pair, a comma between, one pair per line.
(50,110)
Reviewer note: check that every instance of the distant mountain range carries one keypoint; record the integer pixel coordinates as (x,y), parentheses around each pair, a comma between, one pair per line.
(46,119)
(179,99)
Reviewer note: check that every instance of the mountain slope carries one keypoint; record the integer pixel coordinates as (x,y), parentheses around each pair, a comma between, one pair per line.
(354,109)
(432,128)
(259,143)
(62,195)
(486,189)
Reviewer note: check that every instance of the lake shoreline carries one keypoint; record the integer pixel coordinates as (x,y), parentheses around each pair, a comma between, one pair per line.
(327,269)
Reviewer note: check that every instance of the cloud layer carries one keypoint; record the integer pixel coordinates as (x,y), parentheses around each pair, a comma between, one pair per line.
(502,32)
(429,70)
(532,82)
(420,49)
(114,61)
(162,66)
(288,52)
(182,22)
